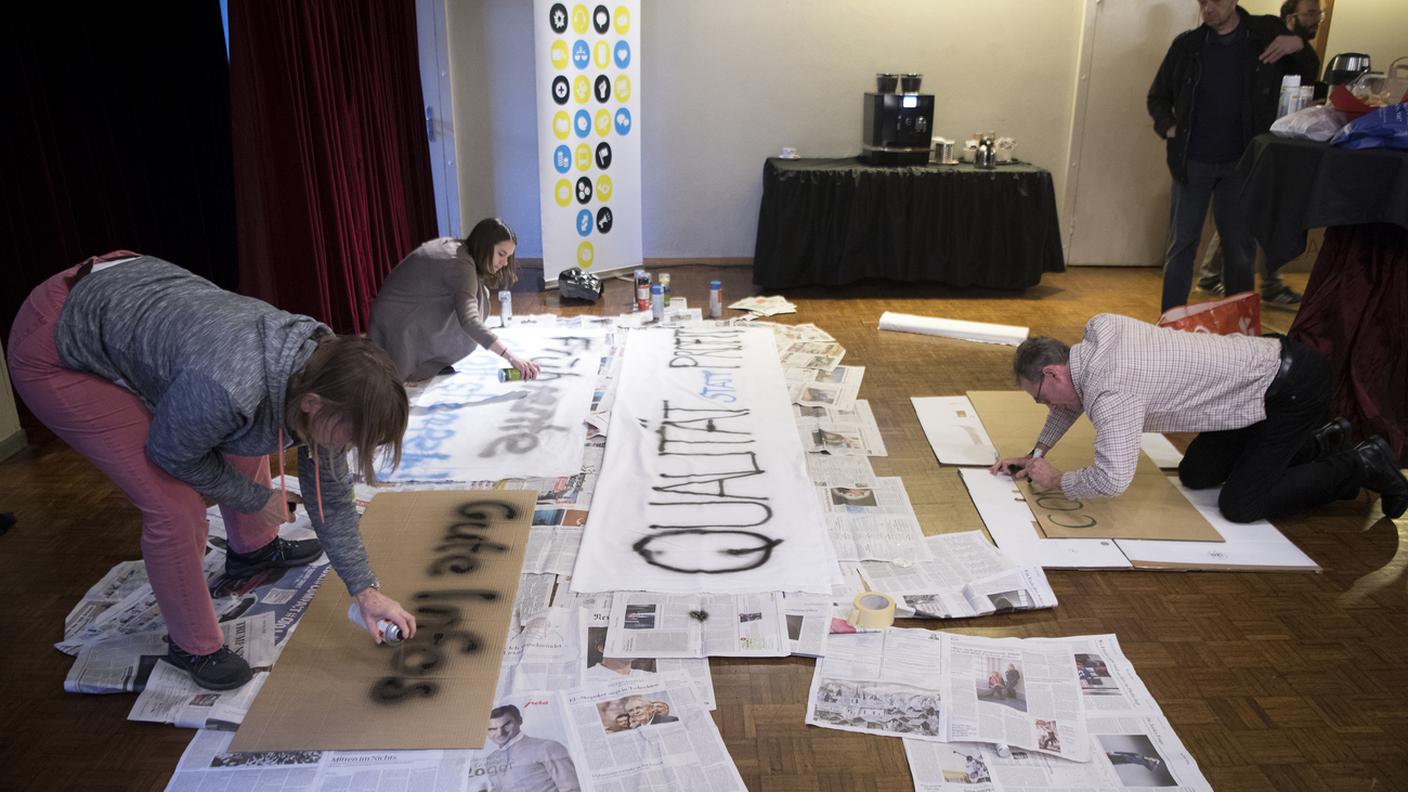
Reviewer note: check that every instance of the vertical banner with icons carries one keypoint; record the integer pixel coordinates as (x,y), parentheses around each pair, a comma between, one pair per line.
(588,144)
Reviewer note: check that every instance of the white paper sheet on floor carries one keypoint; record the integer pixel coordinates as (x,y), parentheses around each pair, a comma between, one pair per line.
(469,426)
(982,332)
(704,487)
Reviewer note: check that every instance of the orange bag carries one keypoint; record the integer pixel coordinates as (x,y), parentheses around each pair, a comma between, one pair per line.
(1240,313)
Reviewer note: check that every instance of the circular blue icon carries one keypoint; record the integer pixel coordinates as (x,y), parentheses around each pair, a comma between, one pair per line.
(584,222)
(582,123)
(562,159)
(581,54)
(623,121)
(622,53)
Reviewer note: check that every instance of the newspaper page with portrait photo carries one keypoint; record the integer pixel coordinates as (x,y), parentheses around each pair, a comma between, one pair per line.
(888,682)
(597,667)
(808,618)
(546,654)
(1133,746)
(649,733)
(528,749)
(872,520)
(1017,692)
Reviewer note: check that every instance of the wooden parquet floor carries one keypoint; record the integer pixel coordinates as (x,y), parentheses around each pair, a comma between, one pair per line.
(1277,681)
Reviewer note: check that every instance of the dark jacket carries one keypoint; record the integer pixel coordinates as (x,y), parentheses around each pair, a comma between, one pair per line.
(1172,95)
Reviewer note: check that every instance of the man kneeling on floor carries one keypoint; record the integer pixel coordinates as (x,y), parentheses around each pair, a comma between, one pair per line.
(1256,401)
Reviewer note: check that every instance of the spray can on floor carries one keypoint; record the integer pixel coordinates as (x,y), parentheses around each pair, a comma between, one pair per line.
(657,302)
(505,306)
(665,286)
(716,299)
(390,633)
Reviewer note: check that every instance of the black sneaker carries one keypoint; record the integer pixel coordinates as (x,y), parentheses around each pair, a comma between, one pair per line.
(1281,296)
(1379,471)
(278,554)
(1330,438)
(1212,288)
(219,670)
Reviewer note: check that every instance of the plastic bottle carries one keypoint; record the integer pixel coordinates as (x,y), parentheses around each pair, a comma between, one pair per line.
(390,633)
(642,290)
(716,299)
(1290,95)
(505,305)
(657,302)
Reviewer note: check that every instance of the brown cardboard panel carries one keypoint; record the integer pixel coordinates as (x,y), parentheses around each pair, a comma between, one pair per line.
(1151,508)
(453,559)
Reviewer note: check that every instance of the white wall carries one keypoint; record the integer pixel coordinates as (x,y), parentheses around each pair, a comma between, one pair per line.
(726,83)
(1376,27)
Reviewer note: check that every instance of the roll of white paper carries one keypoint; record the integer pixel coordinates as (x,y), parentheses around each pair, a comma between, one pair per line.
(982,332)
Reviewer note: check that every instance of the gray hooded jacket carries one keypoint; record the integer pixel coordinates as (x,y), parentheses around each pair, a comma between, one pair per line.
(213,367)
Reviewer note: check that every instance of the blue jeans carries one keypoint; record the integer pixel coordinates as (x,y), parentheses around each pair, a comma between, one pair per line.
(1214,183)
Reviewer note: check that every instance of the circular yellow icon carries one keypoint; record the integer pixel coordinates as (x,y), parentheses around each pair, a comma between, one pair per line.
(603,122)
(584,156)
(603,188)
(623,20)
(623,88)
(561,125)
(581,89)
(558,53)
(585,255)
(579,18)
(601,54)
(562,192)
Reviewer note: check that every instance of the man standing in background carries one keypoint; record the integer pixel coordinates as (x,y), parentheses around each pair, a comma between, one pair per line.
(1216,89)
(1302,17)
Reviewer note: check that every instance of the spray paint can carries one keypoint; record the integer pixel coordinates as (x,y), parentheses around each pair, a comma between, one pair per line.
(505,305)
(665,285)
(657,302)
(642,290)
(390,633)
(716,299)
(510,374)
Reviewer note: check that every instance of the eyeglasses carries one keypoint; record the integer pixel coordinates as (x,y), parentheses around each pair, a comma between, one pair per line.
(1313,15)
(1039,386)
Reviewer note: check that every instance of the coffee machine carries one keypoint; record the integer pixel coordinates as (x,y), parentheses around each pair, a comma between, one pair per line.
(896,128)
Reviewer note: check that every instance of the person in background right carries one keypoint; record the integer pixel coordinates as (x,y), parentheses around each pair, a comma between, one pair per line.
(1302,17)
(1216,89)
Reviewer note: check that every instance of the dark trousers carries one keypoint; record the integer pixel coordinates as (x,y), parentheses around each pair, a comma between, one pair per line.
(1214,183)
(1267,469)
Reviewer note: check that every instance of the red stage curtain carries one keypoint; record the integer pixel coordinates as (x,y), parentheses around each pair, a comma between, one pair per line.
(332,170)
(1355,312)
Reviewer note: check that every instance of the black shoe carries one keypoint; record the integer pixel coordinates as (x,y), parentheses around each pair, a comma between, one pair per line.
(1212,288)
(219,670)
(1379,472)
(278,554)
(1331,438)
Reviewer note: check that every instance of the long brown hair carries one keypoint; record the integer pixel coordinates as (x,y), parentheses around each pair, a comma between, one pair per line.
(480,244)
(358,384)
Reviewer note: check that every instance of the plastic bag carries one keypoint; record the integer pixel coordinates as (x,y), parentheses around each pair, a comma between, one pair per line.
(1313,123)
(1240,313)
(1384,127)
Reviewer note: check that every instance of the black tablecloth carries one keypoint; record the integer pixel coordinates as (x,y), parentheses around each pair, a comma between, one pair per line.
(1295,185)
(1356,304)
(831,222)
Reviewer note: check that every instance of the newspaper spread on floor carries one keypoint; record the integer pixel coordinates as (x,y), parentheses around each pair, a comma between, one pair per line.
(697,625)
(964,576)
(872,520)
(1132,744)
(949,688)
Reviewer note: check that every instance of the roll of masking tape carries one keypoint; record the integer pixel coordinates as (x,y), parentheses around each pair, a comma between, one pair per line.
(872,611)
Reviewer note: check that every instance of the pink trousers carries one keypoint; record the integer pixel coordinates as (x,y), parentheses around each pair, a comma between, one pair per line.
(108,424)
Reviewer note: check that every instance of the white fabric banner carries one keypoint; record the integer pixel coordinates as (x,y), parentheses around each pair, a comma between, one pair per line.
(704,487)
(469,426)
(588,88)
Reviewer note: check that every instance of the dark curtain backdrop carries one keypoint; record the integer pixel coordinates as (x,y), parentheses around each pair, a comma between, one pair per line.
(332,170)
(115,134)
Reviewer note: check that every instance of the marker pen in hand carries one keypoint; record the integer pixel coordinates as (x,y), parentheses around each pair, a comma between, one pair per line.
(390,632)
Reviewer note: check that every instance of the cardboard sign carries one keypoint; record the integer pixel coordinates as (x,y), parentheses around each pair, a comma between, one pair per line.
(452,558)
(1150,509)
